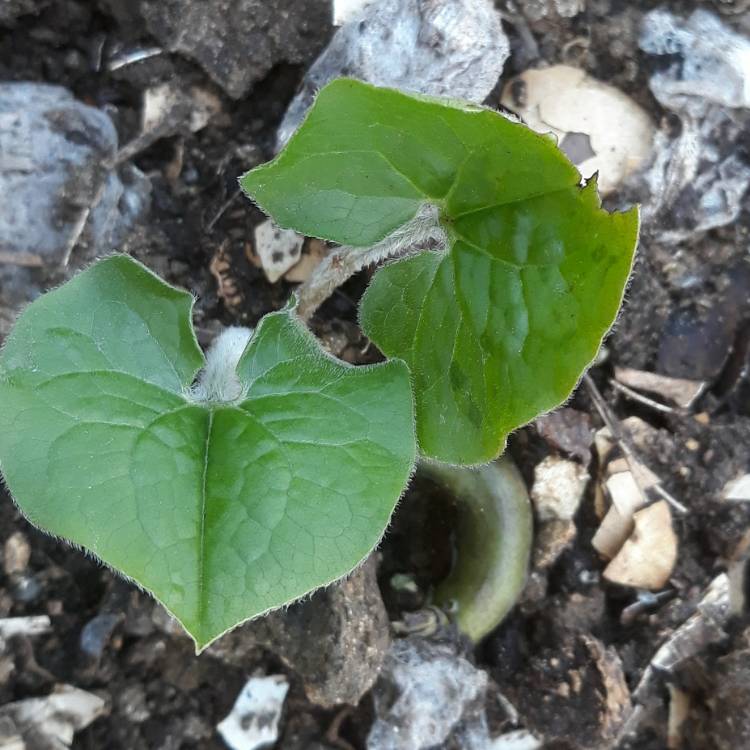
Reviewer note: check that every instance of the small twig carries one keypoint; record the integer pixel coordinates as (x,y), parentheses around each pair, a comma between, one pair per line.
(129,57)
(332,735)
(634,464)
(222,209)
(630,393)
(143,141)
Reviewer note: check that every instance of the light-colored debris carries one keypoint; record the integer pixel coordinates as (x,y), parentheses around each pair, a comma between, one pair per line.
(604,443)
(317,250)
(345,10)
(167,109)
(424,691)
(278,249)
(226,283)
(679,710)
(700,630)
(558,488)
(712,64)
(617,703)
(57,716)
(552,538)
(698,180)
(521,739)
(679,391)
(626,499)
(647,558)
(29,626)
(642,475)
(599,127)
(16,553)
(453,48)
(737,490)
(254,719)
(10,737)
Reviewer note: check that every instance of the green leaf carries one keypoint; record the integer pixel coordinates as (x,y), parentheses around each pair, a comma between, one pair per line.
(498,325)
(221,510)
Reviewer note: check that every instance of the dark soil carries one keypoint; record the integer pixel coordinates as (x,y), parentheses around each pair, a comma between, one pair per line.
(544,658)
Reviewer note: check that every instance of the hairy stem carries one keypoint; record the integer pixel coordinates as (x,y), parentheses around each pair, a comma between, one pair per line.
(493,542)
(419,233)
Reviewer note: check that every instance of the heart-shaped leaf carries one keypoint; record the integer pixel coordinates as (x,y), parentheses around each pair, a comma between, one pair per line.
(497,325)
(223,510)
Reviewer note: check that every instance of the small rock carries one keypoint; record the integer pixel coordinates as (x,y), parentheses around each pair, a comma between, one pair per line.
(28,626)
(27,589)
(278,249)
(96,634)
(600,129)
(131,703)
(60,190)
(169,109)
(425,689)
(56,717)
(552,538)
(16,553)
(568,430)
(348,623)
(254,720)
(737,490)
(453,48)
(10,737)
(54,174)
(710,62)
(345,10)
(520,739)
(237,42)
(695,343)
(558,488)
(698,180)
(648,557)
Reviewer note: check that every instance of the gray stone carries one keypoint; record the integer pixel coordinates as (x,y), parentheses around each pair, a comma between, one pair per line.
(335,641)
(427,691)
(453,48)
(60,190)
(238,41)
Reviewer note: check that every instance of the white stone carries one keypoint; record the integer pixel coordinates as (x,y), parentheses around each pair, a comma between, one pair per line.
(254,719)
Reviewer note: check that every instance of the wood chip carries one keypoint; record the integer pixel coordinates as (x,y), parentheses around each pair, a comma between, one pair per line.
(679,391)
(648,557)
(316,250)
(618,524)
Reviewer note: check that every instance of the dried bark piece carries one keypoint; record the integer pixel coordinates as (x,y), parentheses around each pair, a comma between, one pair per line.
(648,557)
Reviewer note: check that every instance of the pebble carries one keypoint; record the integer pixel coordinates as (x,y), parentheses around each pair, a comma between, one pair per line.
(16,553)
(96,634)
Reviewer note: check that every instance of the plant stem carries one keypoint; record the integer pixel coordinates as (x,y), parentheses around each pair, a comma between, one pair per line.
(422,232)
(493,542)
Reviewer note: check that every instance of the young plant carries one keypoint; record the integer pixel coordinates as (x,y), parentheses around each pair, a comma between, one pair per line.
(230,486)
(498,321)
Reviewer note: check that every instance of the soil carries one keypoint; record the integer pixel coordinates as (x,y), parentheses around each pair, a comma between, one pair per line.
(552,658)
